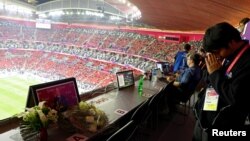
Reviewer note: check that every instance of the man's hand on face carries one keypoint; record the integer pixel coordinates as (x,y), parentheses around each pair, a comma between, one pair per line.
(212,62)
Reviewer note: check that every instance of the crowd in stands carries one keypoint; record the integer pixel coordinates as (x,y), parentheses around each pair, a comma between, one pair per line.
(89,73)
(86,53)
(114,58)
(106,39)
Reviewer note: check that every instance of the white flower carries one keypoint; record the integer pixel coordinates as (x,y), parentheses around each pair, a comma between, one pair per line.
(41,104)
(39,116)
(42,117)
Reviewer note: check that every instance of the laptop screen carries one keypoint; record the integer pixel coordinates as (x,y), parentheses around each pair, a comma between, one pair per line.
(164,67)
(159,65)
(125,79)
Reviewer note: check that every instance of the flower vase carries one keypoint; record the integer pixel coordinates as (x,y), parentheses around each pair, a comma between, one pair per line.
(43,135)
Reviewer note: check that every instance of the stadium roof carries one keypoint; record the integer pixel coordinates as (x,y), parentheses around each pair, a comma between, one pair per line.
(186,15)
(190,15)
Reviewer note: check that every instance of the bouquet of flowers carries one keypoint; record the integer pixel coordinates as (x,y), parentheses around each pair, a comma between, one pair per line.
(36,118)
(86,117)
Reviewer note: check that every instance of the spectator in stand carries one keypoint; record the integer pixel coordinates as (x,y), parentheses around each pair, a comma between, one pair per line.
(180,62)
(224,103)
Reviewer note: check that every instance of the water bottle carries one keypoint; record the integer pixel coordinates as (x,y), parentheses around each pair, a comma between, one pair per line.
(140,87)
(154,75)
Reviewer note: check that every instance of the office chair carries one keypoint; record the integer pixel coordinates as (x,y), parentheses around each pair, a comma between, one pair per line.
(153,106)
(146,116)
(125,133)
(130,130)
(158,104)
(141,112)
(186,101)
(138,121)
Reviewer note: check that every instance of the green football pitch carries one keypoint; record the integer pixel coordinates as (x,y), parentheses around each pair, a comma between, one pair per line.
(13,95)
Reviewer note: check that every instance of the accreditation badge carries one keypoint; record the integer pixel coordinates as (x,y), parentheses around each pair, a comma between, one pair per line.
(211,100)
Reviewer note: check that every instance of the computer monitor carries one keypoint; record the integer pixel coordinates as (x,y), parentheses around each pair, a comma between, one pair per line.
(164,67)
(159,65)
(59,94)
(125,79)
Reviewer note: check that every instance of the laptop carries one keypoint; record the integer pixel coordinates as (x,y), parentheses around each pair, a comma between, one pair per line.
(125,79)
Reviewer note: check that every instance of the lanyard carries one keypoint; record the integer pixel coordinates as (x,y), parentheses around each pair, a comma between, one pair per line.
(236,59)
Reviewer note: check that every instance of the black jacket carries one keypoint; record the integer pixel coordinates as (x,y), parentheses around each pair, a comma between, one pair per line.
(234,95)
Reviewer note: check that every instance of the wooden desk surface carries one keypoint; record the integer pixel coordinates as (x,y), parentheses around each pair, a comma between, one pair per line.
(123,100)
(116,104)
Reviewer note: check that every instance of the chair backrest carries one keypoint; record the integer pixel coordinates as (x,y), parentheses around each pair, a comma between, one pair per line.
(124,133)
(159,101)
(170,84)
(155,100)
(140,112)
(188,95)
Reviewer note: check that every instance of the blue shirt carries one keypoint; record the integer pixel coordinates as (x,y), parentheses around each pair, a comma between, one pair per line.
(190,78)
(180,61)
